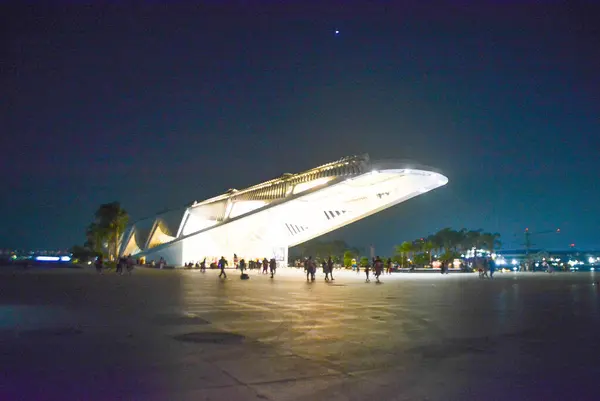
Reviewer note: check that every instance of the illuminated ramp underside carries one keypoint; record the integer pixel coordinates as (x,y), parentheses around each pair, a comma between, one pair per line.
(267,219)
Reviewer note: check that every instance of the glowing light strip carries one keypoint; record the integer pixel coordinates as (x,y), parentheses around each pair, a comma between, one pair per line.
(53,258)
(47,258)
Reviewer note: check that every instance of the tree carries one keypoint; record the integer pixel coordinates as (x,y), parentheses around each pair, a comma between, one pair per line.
(428,247)
(404,249)
(96,236)
(348,256)
(446,238)
(473,239)
(83,253)
(321,249)
(490,241)
(111,220)
(452,242)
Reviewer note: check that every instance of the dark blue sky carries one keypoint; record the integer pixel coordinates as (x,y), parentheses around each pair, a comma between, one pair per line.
(156,106)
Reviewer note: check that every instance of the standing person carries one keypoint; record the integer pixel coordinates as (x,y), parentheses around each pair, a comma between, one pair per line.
(307,267)
(442,266)
(355,266)
(235,260)
(130,264)
(272,266)
(485,267)
(492,265)
(203,266)
(389,266)
(330,268)
(367,268)
(222,264)
(310,267)
(242,265)
(99,264)
(313,269)
(378,268)
(265,265)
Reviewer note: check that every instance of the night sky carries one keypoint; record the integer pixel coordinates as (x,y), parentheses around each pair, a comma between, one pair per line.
(157,106)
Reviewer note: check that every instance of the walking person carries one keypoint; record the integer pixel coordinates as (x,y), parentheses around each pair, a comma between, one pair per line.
(389,266)
(120,265)
(492,266)
(330,268)
(265,265)
(203,266)
(272,266)
(367,268)
(325,269)
(378,268)
(222,264)
(484,268)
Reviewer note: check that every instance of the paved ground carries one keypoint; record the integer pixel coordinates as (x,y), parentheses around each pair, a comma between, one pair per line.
(183,335)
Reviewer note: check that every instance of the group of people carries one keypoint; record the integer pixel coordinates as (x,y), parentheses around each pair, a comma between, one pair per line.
(123,263)
(267,265)
(485,266)
(310,267)
(377,265)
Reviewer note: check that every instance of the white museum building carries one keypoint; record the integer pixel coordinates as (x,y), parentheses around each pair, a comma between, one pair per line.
(266,219)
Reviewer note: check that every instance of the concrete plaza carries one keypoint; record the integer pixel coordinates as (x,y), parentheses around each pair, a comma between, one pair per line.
(184,335)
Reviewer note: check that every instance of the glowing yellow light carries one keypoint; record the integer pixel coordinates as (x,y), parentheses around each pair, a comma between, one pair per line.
(305,186)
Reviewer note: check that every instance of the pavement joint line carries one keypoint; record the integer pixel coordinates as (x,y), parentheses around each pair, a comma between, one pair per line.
(295,379)
(239,383)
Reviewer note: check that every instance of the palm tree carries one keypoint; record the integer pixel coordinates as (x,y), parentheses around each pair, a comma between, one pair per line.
(446,237)
(490,241)
(96,236)
(436,243)
(429,246)
(473,239)
(404,249)
(112,219)
(459,240)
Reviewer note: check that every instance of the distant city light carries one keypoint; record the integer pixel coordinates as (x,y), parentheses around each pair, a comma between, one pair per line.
(47,258)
